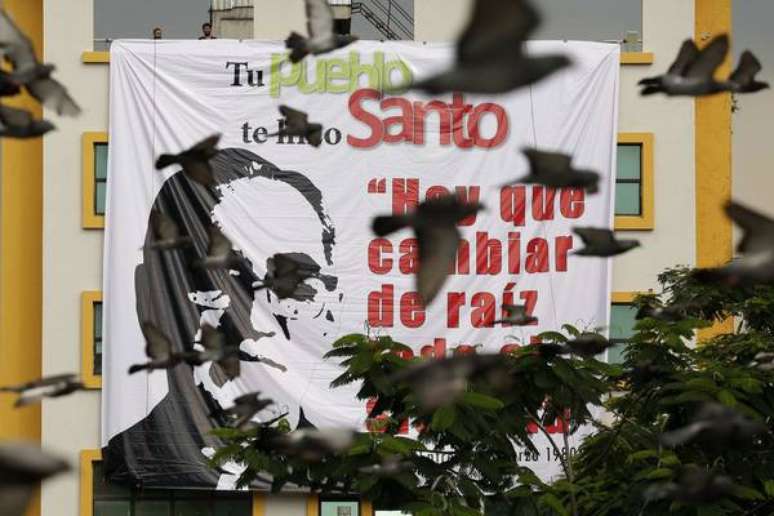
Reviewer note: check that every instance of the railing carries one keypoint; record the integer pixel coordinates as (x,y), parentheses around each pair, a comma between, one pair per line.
(391,20)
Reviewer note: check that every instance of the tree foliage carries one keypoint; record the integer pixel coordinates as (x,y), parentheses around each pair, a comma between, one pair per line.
(465,459)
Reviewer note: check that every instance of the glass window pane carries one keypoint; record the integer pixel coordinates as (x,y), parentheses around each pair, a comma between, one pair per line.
(629,161)
(100,192)
(339,508)
(233,508)
(627,199)
(615,355)
(112,508)
(97,319)
(622,321)
(100,160)
(151,508)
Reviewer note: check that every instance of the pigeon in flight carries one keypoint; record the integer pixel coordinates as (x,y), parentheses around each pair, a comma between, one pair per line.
(389,467)
(322,37)
(166,233)
(743,79)
(587,345)
(22,468)
(18,123)
(245,408)
(216,350)
(554,169)
(296,123)
(220,252)
(435,223)
(48,387)
(286,274)
(694,486)
(158,348)
(517,316)
(764,361)
(28,71)
(602,243)
(194,161)
(717,426)
(313,445)
(653,310)
(490,55)
(757,247)
(693,72)
(9,85)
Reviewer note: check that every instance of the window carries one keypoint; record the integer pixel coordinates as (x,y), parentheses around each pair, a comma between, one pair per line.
(339,508)
(634,182)
(99,498)
(623,317)
(95,158)
(91,339)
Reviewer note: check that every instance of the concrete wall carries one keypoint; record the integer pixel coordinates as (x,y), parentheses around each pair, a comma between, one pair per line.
(72,259)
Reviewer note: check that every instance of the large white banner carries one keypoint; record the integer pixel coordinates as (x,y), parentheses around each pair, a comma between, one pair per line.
(381,154)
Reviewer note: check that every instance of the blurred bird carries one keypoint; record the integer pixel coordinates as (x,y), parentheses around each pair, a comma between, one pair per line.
(490,53)
(47,387)
(29,72)
(216,350)
(694,486)
(220,252)
(9,86)
(555,170)
(743,79)
(322,36)
(437,383)
(194,161)
(673,313)
(602,243)
(517,316)
(22,468)
(18,123)
(245,408)
(303,421)
(296,123)
(645,372)
(158,348)
(718,426)
(757,245)
(588,345)
(166,233)
(389,467)
(311,445)
(693,72)
(435,223)
(764,361)
(285,276)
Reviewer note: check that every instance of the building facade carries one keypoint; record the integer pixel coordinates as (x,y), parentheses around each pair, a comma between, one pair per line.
(674,177)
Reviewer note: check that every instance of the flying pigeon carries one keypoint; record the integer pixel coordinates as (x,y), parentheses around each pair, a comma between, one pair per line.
(675,313)
(158,348)
(28,71)
(48,387)
(757,245)
(554,169)
(166,233)
(245,408)
(743,79)
(602,243)
(717,426)
(194,161)
(220,252)
(303,421)
(764,361)
(22,468)
(694,486)
(588,345)
(517,316)
(9,85)
(285,276)
(312,445)
(296,123)
(18,123)
(435,223)
(693,72)
(389,467)
(322,37)
(490,55)
(216,350)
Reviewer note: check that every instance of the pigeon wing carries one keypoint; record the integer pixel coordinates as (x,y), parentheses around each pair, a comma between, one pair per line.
(295,120)
(207,148)
(163,226)
(709,59)
(685,58)
(437,251)
(52,94)
(595,236)
(515,311)
(212,339)
(158,346)
(319,19)
(543,163)
(496,27)
(758,229)
(230,365)
(16,46)
(683,435)
(13,117)
(219,244)
(748,68)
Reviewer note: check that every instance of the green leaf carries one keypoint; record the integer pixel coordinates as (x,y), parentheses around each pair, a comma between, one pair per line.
(702,384)
(727,398)
(350,340)
(443,418)
(552,336)
(552,502)
(475,399)
(747,493)
(768,487)
(641,455)
(361,363)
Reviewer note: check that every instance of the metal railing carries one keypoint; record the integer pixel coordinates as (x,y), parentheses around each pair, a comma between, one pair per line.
(391,20)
